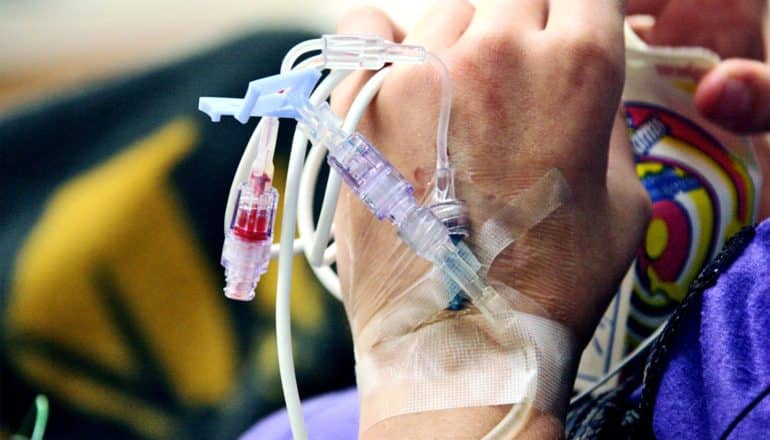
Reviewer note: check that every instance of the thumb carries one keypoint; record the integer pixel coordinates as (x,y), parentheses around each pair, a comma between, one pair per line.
(736,95)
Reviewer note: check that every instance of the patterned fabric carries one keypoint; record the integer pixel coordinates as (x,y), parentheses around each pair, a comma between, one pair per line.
(110,285)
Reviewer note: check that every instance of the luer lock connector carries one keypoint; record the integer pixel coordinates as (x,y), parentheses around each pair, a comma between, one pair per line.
(246,252)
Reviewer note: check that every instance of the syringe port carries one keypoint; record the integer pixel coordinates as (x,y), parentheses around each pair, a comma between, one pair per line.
(246,251)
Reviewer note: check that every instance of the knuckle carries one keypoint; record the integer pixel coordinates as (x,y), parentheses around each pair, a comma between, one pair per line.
(494,51)
(593,53)
(488,69)
(488,63)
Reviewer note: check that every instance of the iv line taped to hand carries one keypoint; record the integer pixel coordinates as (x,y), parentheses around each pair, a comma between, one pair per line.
(371,177)
(295,164)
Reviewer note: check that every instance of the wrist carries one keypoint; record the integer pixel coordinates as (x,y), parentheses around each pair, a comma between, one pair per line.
(460,365)
(466,423)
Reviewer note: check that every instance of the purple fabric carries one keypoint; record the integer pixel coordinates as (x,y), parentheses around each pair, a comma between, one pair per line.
(718,375)
(332,416)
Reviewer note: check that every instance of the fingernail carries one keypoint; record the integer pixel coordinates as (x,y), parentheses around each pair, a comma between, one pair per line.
(734,102)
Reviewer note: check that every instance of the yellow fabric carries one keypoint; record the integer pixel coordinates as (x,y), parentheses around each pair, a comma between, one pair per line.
(122,217)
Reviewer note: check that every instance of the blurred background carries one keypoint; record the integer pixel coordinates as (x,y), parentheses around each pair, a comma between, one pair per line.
(50,45)
(112,191)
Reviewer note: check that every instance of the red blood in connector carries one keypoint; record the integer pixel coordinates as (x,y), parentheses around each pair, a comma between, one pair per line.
(260,183)
(253,224)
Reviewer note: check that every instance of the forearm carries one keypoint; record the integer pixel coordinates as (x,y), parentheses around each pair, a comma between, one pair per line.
(465,423)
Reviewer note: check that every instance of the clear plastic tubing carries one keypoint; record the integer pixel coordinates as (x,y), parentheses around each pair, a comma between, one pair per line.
(444,179)
(445,109)
(283,289)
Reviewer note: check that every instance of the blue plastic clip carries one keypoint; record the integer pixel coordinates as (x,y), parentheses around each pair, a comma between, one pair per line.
(268,96)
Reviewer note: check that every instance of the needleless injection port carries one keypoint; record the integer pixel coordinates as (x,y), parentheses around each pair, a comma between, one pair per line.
(246,251)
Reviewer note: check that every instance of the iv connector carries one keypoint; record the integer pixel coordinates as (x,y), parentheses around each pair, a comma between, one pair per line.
(454,215)
(246,251)
(369,52)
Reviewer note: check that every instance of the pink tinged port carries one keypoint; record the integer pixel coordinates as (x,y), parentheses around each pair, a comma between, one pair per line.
(246,251)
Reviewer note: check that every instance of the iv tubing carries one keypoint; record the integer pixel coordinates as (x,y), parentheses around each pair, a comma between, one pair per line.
(357,109)
(442,132)
(283,290)
(322,233)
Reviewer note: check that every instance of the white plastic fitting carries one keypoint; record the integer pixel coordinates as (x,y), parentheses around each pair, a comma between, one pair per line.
(366,52)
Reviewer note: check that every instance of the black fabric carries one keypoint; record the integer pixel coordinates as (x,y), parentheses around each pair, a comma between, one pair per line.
(606,416)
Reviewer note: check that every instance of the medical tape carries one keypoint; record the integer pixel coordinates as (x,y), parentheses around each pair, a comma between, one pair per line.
(510,221)
(519,215)
(461,359)
(415,356)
